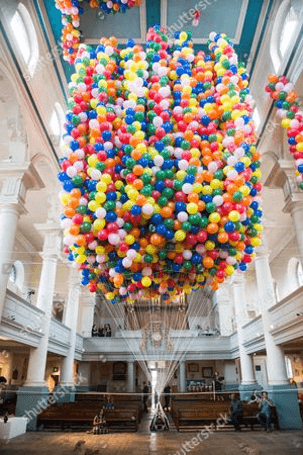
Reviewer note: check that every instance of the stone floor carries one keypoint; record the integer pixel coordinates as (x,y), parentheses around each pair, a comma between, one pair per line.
(145,443)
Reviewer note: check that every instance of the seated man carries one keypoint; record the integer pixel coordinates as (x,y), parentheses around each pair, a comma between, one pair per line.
(265,406)
(236,411)
(255,397)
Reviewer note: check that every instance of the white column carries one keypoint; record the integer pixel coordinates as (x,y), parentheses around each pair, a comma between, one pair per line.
(276,368)
(296,212)
(247,368)
(131,376)
(86,319)
(225,309)
(51,252)
(15,180)
(9,215)
(71,320)
(182,376)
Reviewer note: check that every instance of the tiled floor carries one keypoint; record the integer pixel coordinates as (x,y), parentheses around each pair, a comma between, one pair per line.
(168,443)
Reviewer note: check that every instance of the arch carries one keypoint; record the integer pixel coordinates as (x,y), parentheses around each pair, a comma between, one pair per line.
(269,160)
(25,37)
(56,124)
(12,129)
(295,274)
(284,28)
(19,275)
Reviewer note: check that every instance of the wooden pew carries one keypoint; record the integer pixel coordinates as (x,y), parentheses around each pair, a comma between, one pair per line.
(81,414)
(190,416)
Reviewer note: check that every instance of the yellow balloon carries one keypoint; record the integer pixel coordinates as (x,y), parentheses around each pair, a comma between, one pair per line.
(229,270)
(180,235)
(234,216)
(146,281)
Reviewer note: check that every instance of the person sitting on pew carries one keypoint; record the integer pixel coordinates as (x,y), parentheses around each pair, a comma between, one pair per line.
(255,397)
(101,332)
(167,392)
(264,415)
(236,411)
(94,331)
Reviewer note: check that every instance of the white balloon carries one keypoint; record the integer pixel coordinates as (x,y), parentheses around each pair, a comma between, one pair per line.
(187,254)
(100,212)
(131,254)
(126,262)
(187,188)
(113,239)
(218,200)
(148,209)
(158,160)
(182,217)
(183,165)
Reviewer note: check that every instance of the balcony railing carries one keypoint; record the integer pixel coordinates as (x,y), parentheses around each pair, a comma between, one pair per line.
(21,321)
(287,317)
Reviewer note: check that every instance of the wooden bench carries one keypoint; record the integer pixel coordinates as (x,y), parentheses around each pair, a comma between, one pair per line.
(81,414)
(189,416)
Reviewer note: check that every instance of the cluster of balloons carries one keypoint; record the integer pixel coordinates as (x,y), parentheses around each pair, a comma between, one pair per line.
(286,100)
(71,11)
(160,172)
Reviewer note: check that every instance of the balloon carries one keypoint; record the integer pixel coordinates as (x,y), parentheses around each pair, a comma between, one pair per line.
(160,172)
(70,17)
(286,100)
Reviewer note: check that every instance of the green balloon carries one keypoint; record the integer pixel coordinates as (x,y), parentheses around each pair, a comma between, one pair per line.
(169,223)
(162,201)
(110,205)
(77,180)
(186,226)
(211,207)
(86,226)
(81,209)
(148,258)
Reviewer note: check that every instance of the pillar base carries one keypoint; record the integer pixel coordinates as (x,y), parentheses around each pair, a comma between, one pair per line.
(246,390)
(285,398)
(64,394)
(31,401)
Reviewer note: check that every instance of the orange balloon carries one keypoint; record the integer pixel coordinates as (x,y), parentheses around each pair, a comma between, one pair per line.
(222,237)
(74,229)
(166,212)
(81,240)
(155,239)
(69,212)
(208,262)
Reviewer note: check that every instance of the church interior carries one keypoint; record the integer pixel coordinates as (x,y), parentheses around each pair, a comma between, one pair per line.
(151,227)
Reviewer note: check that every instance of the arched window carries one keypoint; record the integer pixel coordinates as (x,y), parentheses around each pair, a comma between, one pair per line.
(284,29)
(299,273)
(288,30)
(56,124)
(276,291)
(288,367)
(295,274)
(16,276)
(256,117)
(26,38)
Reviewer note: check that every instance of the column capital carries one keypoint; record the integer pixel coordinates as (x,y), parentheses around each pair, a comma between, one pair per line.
(293,203)
(87,298)
(223,294)
(15,180)
(238,279)
(52,234)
